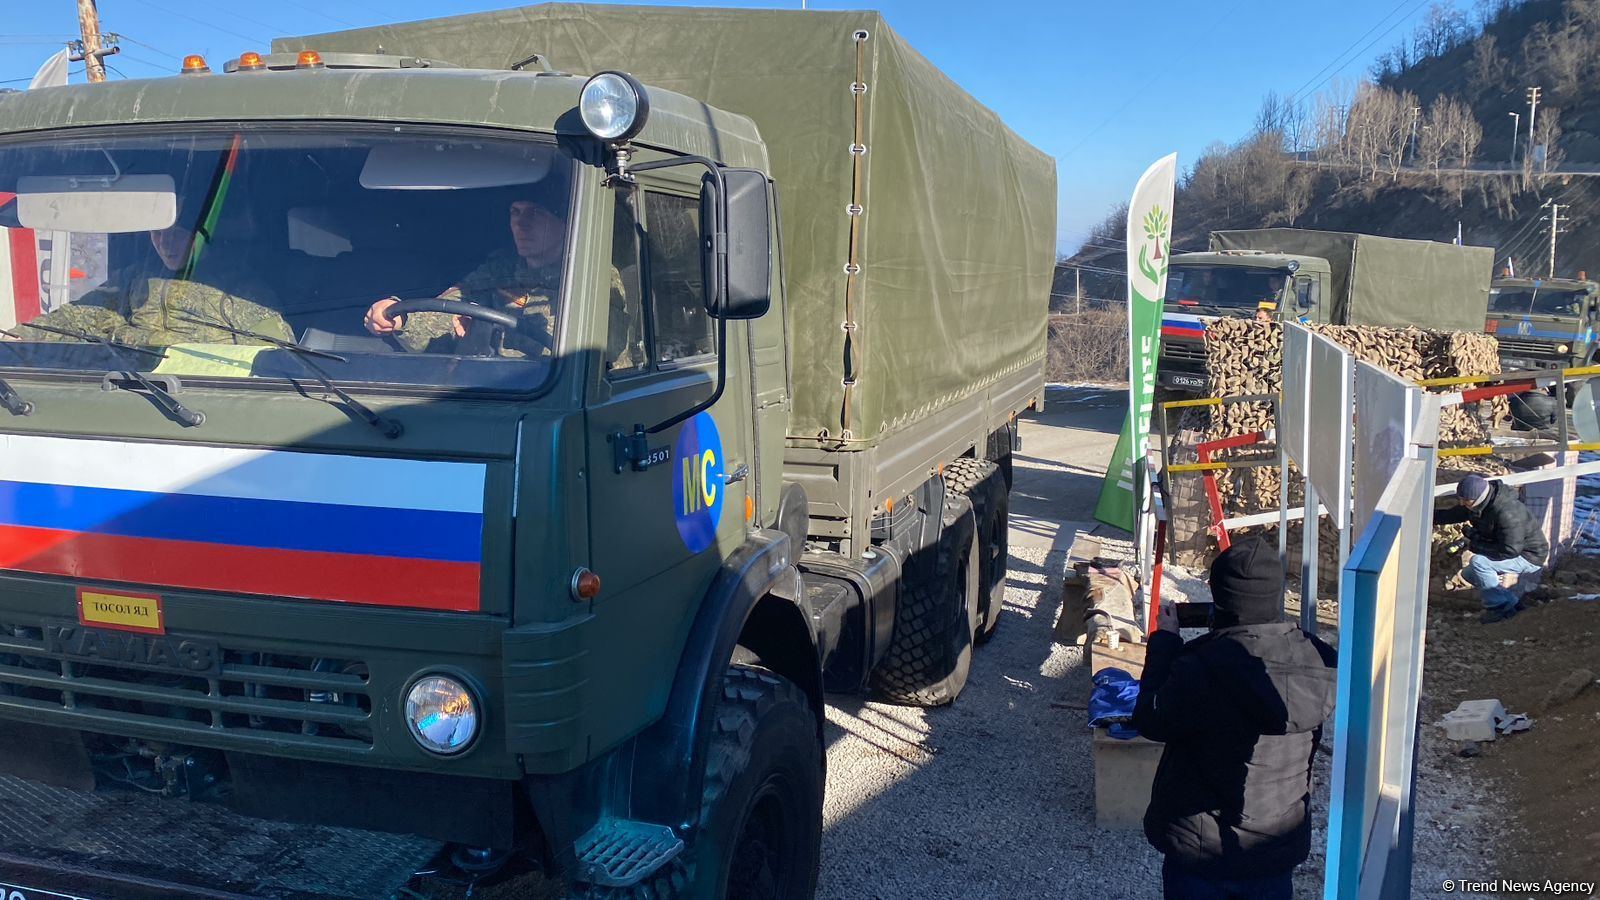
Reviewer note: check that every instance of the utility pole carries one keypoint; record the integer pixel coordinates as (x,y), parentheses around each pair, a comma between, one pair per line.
(89,50)
(1533,110)
(1516,130)
(1555,228)
(1078,277)
(1416,113)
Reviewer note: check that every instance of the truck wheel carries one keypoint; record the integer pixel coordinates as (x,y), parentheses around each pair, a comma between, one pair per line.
(760,832)
(930,652)
(980,480)
(761,812)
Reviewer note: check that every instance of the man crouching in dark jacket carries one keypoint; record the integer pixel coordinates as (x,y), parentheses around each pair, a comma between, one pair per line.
(1241,711)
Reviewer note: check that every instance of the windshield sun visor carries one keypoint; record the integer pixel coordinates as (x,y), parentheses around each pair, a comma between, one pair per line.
(97,203)
(449,166)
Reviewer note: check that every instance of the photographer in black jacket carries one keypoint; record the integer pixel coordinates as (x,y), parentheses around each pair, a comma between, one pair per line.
(1241,711)
(1504,539)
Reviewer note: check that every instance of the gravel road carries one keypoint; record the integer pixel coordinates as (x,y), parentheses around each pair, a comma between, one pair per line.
(993,796)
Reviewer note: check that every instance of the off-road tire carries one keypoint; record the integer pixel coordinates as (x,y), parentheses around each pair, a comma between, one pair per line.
(764,783)
(764,744)
(930,651)
(981,481)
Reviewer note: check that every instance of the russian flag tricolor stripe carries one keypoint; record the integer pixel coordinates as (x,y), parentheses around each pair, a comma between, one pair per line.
(1183,326)
(387,532)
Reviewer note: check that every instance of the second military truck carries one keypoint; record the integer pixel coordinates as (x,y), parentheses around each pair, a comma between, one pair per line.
(501,431)
(1337,278)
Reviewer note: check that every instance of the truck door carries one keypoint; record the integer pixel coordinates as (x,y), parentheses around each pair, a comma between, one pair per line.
(657,536)
(1307,299)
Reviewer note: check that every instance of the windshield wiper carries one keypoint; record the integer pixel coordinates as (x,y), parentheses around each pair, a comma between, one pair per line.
(13,403)
(162,397)
(389,428)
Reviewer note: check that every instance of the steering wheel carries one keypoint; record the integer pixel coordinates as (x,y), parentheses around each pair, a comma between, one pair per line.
(454,308)
(483,326)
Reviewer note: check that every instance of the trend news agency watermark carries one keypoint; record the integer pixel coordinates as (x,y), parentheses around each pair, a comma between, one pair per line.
(1513,886)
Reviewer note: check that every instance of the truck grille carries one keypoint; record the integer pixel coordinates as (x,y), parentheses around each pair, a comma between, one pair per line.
(1186,351)
(269,697)
(1526,347)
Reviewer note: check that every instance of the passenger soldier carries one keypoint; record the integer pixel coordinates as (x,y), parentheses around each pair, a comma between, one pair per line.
(1241,711)
(1503,543)
(148,303)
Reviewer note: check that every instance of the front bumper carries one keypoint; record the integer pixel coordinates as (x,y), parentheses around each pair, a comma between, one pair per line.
(132,846)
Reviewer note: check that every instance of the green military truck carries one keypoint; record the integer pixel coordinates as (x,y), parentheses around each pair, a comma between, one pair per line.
(691,397)
(1316,276)
(1544,323)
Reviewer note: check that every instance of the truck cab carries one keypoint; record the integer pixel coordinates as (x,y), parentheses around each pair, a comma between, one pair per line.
(1543,323)
(256,554)
(1202,287)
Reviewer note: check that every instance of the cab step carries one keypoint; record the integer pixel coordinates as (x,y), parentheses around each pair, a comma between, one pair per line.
(622,853)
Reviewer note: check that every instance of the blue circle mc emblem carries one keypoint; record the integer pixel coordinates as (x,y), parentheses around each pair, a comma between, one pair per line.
(697,482)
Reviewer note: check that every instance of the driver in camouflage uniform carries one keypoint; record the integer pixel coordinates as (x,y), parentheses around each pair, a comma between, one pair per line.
(135,307)
(526,281)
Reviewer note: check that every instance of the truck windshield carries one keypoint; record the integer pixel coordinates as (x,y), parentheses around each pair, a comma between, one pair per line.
(1544,301)
(200,245)
(1223,287)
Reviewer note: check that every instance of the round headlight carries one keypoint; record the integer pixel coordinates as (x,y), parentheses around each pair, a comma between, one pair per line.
(1562,348)
(613,106)
(442,714)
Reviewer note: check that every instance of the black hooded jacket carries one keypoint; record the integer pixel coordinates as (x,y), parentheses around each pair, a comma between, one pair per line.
(1501,528)
(1240,710)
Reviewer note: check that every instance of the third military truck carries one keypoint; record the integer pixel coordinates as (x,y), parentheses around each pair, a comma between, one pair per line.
(496,435)
(1544,323)
(1296,274)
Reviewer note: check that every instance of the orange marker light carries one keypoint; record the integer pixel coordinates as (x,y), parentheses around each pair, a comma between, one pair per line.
(585,585)
(749,509)
(308,59)
(249,62)
(194,64)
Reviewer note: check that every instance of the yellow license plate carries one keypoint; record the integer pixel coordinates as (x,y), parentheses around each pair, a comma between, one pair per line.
(129,612)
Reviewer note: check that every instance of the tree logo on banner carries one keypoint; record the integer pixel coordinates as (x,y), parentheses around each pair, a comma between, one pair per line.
(1154,266)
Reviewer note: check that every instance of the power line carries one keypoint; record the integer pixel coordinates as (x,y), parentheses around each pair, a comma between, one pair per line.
(214,27)
(311,9)
(1370,44)
(159,67)
(1161,73)
(133,40)
(1331,63)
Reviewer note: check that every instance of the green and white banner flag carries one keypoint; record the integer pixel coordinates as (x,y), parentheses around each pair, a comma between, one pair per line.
(1149,245)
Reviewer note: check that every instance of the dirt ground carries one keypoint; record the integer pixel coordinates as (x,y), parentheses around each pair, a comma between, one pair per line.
(1545,781)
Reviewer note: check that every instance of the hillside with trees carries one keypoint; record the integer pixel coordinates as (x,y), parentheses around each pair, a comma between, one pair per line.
(1422,147)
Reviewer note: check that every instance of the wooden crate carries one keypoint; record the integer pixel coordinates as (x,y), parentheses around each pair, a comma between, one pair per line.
(1123,769)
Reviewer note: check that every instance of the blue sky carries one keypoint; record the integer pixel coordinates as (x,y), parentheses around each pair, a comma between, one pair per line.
(1106,88)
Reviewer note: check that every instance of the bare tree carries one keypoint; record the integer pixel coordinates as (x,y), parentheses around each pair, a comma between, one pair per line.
(1557,57)
(1486,73)
(1546,134)
(1442,30)
(1438,130)
(1490,12)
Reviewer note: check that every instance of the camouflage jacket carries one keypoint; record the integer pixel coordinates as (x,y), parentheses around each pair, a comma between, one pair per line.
(135,308)
(504,281)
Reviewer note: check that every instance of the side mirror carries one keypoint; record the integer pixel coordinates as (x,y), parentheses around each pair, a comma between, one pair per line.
(740,287)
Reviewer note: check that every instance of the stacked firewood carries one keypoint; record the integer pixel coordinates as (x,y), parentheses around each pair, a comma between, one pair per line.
(1245,357)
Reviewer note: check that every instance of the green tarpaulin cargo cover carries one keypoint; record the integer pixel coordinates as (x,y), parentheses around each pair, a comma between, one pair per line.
(955,234)
(1387,281)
